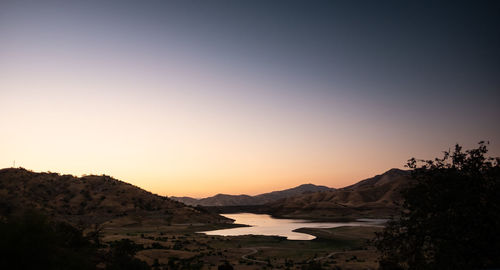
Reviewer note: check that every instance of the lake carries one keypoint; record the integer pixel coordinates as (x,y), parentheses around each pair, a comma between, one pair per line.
(266,225)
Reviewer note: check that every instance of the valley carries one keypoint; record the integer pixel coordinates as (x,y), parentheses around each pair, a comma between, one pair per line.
(167,234)
(182,247)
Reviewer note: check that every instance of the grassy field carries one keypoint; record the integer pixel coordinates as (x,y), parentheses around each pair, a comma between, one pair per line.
(179,246)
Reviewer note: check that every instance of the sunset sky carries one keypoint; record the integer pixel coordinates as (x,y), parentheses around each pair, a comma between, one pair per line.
(195,98)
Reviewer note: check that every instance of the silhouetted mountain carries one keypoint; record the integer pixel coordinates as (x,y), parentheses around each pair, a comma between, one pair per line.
(186,200)
(92,199)
(234,200)
(378,196)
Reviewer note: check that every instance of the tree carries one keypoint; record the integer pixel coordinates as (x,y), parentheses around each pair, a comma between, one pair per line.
(451,215)
(32,241)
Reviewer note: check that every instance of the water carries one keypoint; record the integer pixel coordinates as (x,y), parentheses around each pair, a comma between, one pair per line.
(266,225)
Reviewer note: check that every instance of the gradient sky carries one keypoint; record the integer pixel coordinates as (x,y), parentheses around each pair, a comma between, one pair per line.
(203,97)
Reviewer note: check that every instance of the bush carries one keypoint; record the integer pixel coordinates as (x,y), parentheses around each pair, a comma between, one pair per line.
(30,241)
(121,256)
(450,217)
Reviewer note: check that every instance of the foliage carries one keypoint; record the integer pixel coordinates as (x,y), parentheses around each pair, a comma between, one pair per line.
(225,266)
(121,256)
(450,217)
(30,241)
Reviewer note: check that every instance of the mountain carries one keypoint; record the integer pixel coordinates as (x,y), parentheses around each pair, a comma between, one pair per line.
(185,200)
(92,200)
(375,197)
(225,200)
(236,200)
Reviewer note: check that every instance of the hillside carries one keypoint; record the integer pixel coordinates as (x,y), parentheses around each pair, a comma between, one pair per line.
(92,200)
(376,197)
(237,200)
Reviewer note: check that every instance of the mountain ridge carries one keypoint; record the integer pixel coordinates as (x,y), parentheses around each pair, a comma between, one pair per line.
(221,199)
(92,199)
(375,197)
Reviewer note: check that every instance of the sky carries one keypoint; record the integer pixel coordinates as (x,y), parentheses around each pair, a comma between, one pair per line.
(195,98)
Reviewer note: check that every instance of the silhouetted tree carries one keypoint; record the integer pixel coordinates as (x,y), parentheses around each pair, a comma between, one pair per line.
(450,217)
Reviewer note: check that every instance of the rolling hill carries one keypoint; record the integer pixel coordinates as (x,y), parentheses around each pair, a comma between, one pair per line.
(92,200)
(238,200)
(376,197)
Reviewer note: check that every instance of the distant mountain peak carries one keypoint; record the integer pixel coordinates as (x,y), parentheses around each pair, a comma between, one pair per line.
(265,198)
(243,199)
(307,185)
(396,170)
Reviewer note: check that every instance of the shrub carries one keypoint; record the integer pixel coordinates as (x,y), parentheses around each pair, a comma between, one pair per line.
(450,217)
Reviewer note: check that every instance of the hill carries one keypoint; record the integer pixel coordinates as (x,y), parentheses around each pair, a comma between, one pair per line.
(92,200)
(237,200)
(376,197)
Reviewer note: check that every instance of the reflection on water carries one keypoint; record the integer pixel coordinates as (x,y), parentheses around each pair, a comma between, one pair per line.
(266,225)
